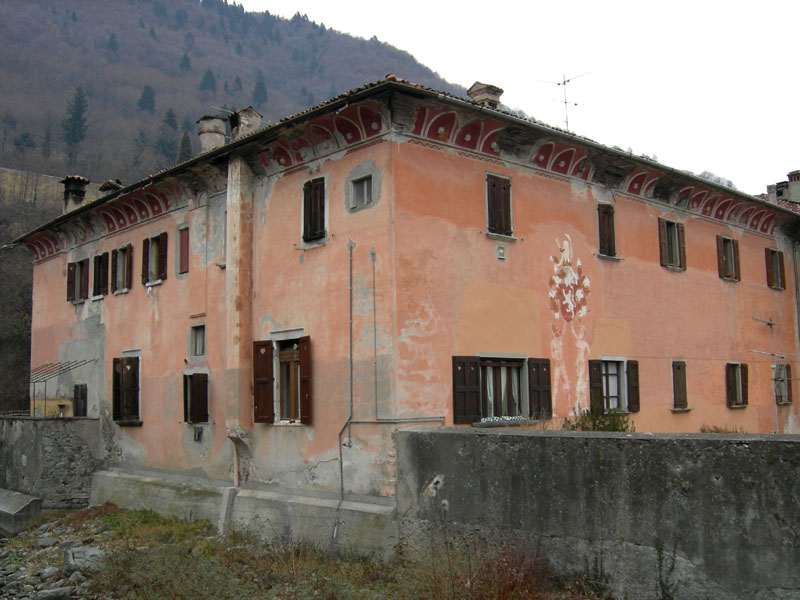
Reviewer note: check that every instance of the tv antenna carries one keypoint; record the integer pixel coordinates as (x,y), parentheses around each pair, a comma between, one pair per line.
(563,83)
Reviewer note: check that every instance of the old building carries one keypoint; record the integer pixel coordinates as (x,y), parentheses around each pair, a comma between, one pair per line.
(276,307)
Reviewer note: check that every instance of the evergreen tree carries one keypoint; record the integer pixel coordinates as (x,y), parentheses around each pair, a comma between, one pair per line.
(73,124)
(186,64)
(153,33)
(237,84)
(209,82)
(147,100)
(167,142)
(24,142)
(185,152)
(46,141)
(170,120)
(260,90)
(186,124)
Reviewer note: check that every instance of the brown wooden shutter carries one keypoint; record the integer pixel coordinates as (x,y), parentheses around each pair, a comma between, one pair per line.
(187,385)
(596,387)
(770,266)
(632,379)
(743,369)
(466,389)
(721,257)
(84,293)
(679,399)
(682,245)
(663,248)
(263,408)
(130,388)
(319,208)
(116,378)
(183,267)
(730,382)
(737,274)
(199,399)
(113,271)
(104,273)
(307,211)
(606,225)
(70,282)
(162,256)
(539,388)
(145,261)
(304,349)
(781,270)
(788,383)
(499,205)
(129,266)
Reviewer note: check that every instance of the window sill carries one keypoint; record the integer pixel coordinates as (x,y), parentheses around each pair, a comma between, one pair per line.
(730,279)
(154,283)
(787,403)
(315,243)
(221,265)
(96,298)
(121,291)
(129,423)
(501,237)
(737,406)
(607,257)
(77,302)
(776,288)
(675,268)
(289,423)
(679,411)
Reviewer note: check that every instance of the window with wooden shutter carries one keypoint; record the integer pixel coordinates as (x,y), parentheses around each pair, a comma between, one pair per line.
(539,388)
(71,269)
(154,259)
(672,244)
(125,390)
(263,408)
(162,256)
(314,210)
(613,386)
(121,269)
(466,389)
(114,272)
(183,262)
(679,398)
(498,198)
(83,270)
(304,349)
(145,261)
(728,258)
(776,275)
(607,239)
(100,282)
(596,405)
(783,383)
(128,266)
(736,383)
(195,398)
(632,382)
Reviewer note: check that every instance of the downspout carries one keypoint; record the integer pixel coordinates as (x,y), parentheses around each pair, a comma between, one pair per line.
(374,331)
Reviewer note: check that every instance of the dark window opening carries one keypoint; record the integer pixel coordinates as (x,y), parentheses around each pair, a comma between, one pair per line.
(79,398)
(100,282)
(195,398)
(498,198)
(125,378)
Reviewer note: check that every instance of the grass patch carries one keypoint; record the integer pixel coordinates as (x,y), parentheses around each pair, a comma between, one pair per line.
(611,421)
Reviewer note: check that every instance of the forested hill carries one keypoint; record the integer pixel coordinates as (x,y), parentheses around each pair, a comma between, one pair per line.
(147,69)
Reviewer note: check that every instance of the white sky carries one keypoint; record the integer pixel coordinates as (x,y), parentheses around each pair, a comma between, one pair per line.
(703,85)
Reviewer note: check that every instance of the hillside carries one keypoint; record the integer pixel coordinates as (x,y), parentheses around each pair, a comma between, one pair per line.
(151,68)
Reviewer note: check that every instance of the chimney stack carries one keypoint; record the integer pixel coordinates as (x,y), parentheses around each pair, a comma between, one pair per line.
(244,122)
(211,132)
(485,94)
(74,191)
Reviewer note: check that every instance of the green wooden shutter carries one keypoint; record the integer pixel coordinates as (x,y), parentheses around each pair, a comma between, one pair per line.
(130,388)
(187,384)
(788,383)
(596,405)
(466,389)
(632,381)
(307,211)
(263,408)
(304,350)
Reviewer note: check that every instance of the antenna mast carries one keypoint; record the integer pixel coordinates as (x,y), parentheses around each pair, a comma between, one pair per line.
(564,81)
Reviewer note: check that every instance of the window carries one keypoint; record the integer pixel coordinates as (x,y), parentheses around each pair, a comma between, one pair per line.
(728,258)
(198,340)
(494,388)
(121,269)
(195,398)
(282,371)
(126,390)
(361,192)
(783,383)
(776,275)
(498,205)
(79,395)
(78,280)
(672,244)
(605,223)
(679,399)
(613,386)
(154,259)
(183,240)
(314,210)
(736,384)
(100,282)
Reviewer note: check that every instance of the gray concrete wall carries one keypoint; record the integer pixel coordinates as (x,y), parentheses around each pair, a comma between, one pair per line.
(50,458)
(662,516)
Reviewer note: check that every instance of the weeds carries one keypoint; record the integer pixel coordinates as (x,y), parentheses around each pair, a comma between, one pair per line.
(587,421)
(717,429)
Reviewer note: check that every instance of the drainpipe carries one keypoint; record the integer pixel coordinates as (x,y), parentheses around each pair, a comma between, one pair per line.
(374,331)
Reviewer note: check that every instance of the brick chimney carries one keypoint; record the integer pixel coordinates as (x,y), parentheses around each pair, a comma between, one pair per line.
(211,131)
(74,191)
(485,94)
(244,122)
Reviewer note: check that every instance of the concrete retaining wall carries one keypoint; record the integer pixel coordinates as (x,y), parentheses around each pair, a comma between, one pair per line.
(662,516)
(50,458)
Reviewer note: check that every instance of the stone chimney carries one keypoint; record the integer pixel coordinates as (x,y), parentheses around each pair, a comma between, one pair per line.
(211,131)
(485,94)
(74,191)
(244,122)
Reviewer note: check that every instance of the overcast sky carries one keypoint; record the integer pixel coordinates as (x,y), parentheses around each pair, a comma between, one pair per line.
(703,85)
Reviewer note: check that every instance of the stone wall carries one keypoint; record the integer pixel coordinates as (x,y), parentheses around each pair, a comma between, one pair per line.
(661,516)
(50,458)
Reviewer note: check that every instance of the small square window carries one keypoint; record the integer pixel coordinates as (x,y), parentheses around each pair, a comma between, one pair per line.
(361,192)
(198,340)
